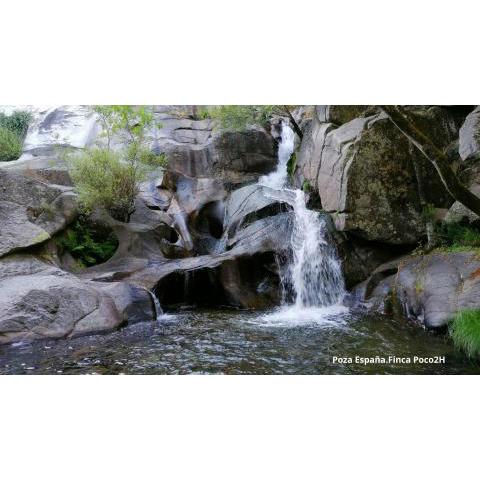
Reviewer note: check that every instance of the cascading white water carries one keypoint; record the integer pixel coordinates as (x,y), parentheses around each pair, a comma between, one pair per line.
(278,178)
(314,272)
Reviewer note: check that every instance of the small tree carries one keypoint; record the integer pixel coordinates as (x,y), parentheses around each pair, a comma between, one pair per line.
(110,179)
(239,117)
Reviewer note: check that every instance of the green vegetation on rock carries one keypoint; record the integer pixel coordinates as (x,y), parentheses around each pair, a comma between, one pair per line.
(10,145)
(465,332)
(13,129)
(292,164)
(87,244)
(456,237)
(110,179)
(240,117)
(16,123)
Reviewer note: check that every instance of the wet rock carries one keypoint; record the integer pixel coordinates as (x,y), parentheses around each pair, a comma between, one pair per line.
(133,303)
(428,289)
(38,300)
(250,199)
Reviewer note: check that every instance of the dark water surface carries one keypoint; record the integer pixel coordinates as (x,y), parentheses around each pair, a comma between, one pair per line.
(234,342)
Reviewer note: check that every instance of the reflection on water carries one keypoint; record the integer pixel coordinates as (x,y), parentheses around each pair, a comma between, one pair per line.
(230,342)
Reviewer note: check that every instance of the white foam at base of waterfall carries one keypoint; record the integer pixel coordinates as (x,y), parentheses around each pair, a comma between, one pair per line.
(290,316)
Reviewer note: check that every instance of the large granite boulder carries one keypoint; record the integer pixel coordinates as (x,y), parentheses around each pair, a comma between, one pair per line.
(38,300)
(428,289)
(31,211)
(234,157)
(364,174)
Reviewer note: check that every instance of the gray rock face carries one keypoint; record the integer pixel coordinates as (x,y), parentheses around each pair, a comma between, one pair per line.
(229,156)
(38,300)
(364,175)
(469,143)
(310,152)
(31,211)
(428,289)
(47,169)
(249,199)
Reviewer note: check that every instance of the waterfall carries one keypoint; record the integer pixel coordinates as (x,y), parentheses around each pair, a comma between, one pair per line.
(314,272)
(278,178)
(157,307)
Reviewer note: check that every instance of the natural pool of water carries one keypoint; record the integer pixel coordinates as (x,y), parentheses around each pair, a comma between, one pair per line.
(283,341)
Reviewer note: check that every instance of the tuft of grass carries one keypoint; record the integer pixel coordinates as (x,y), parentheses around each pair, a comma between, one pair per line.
(306,187)
(465,331)
(456,237)
(10,145)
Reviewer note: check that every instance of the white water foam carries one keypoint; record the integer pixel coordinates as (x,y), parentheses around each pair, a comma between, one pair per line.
(291,316)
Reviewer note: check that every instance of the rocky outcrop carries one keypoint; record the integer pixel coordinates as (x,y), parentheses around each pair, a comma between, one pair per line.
(31,211)
(363,172)
(428,289)
(234,157)
(38,300)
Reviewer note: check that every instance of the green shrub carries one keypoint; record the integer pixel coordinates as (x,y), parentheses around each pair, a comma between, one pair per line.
(102,179)
(17,122)
(88,245)
(239,117)
(108,179)
(454,237)
(465,332)
(10,145)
